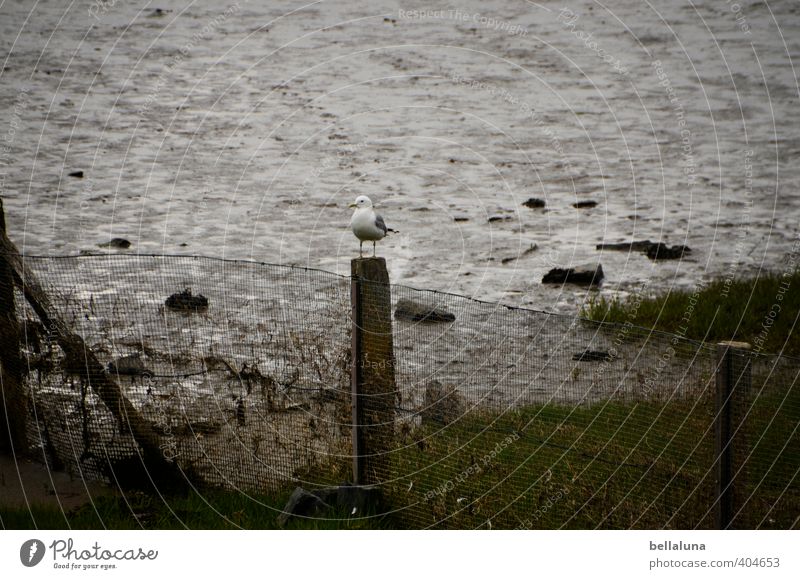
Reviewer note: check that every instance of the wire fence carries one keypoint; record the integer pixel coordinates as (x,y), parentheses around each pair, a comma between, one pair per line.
(493,417)
(241,368)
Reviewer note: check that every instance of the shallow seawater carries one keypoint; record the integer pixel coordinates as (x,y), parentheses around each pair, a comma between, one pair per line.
(244,131)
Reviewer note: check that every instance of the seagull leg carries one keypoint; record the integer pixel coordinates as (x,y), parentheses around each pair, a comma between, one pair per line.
(373,249)
(361,249)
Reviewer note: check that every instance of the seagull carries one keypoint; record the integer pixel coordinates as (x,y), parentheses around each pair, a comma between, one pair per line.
(366,224)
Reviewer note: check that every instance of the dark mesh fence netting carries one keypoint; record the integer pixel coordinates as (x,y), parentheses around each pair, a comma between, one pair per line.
(497,417)
(240,368)
(521,419)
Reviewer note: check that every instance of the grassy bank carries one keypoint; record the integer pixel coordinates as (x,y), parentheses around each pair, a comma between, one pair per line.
(210,510)
(762,311)
(614,465)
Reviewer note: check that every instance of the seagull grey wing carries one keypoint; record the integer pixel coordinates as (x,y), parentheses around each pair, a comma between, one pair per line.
(380,224)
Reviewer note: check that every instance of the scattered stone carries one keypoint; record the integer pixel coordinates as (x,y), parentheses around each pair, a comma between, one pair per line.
(534,203)
(626,246)
(584,204)
(185,301)
(663,251)
(460,218)
(582,275)
(592,356)
(443,404)
(653,250)
(132,365)
(76,174)
(116,243)
(412,311)
(494,218)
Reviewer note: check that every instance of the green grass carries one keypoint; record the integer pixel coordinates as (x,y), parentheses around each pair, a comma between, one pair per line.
(584,467)
(720,310)
(215,509)
(614,465)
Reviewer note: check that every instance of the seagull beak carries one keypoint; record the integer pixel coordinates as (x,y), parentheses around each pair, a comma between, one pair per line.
(352,205)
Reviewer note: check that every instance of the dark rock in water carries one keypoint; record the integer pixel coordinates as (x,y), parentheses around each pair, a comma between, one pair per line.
(534,203)
(662,251)
(116,243)
(582,275)
(76,174)
(494,218)
(185,301)
(443,404)
(302,504)
(584,204)
(349,499)
(415,312)
(460,219)
(131,365)
(653,250)
(592,356)
(627,246)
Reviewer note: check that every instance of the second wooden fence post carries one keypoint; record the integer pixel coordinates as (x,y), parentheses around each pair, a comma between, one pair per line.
(373,381)
(731,448)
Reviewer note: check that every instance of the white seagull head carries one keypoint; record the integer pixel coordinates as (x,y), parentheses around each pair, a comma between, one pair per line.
(361,201)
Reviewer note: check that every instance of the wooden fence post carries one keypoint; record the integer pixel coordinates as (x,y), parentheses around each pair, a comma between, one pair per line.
(373,381)
(733,385)
(13,401)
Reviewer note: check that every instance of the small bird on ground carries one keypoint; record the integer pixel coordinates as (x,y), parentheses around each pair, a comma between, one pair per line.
(366,224)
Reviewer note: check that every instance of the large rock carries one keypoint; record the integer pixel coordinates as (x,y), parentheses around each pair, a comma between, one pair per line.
(582,275)
(185,301)
(443,404)
(132,365)
(412,311)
